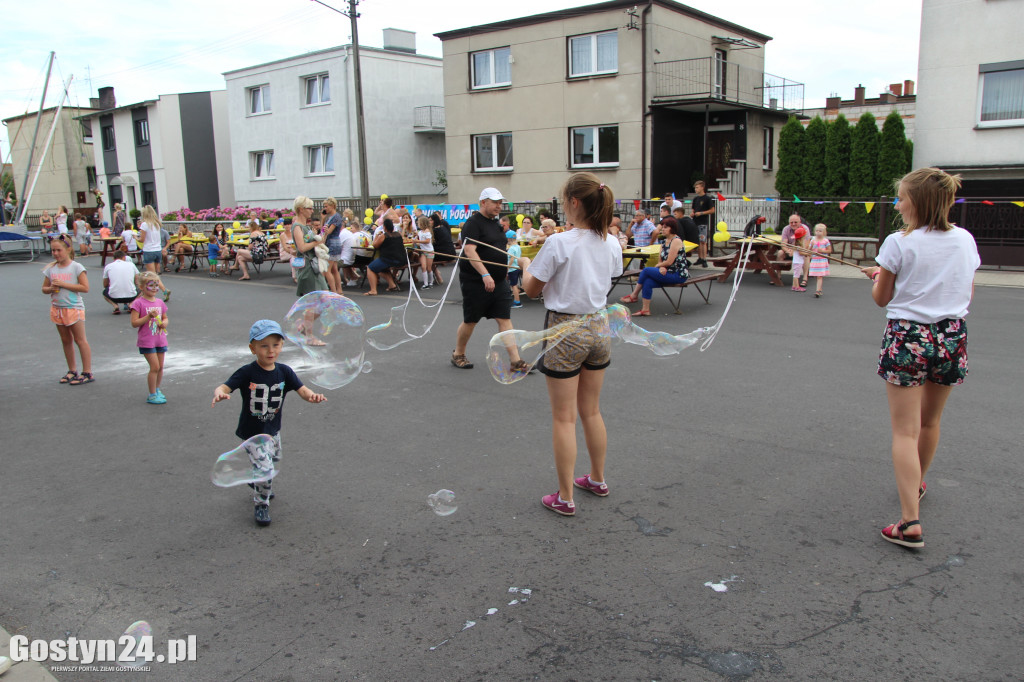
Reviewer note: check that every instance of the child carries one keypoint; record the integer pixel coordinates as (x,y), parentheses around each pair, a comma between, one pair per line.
(263,385)
(83,233)
(65,281)
(799,248)
(425,244)
(213,255)
(819,266)
(515,252)
(149,316)
(573,269)
(925,279)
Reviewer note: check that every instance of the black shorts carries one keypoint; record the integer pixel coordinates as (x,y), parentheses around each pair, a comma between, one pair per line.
(106,294)
(514,277)
(477,302)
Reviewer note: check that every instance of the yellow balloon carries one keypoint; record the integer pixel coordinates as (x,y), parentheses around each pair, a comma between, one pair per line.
(236,224)
(383,197)
(367,221)
(369,213)
(519,219)
(721,237)
(722,226)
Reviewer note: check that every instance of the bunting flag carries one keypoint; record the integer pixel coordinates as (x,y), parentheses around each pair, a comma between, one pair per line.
(636,204)
(895,200)
(746,198)
(987,202)
(720,197)
(818,203)
(1018,203)
(769,198)
(958,201)
(843,205)
(868,206)
(796,199)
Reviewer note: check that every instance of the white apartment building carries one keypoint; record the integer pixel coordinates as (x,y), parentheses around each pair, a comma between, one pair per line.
(171,152)
(649,97)
(294,130)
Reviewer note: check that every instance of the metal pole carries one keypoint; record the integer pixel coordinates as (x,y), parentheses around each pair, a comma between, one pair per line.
(35,135)
(46,145)
(364,178)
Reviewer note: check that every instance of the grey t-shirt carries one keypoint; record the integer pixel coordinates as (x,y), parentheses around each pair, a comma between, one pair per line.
(68,274)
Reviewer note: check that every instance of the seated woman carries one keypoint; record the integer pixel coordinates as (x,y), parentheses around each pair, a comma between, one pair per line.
(671,269)
(256,253)
(182,247)
(528,232)
(407,228)
(46,223)
(390,254)
(547,228)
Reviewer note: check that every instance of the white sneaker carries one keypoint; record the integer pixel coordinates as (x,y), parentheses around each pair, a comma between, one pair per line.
(352,283)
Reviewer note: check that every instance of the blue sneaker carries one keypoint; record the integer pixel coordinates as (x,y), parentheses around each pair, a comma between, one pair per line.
(156,399)
(161,394)
(517,304)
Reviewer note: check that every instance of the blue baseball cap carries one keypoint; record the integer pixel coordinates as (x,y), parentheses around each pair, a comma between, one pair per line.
(511,234)
(264,328)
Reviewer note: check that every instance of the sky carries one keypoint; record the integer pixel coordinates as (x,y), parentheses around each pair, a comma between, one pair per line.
(147,48)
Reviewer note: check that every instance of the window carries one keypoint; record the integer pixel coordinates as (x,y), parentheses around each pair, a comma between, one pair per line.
(141,132)
(492,152)
(491,68)
(720,70)
(318,89)
(1001,100)
(320,159)
(149,194)
(262,164)
(594,54)
(90,175)
(595,146)
(108,138)
(86,131)
(259,99)
(768,151)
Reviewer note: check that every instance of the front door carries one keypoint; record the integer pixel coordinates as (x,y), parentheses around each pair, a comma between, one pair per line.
(719,153)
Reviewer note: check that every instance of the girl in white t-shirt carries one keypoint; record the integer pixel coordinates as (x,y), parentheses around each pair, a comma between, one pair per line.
(64,280)
(424,242)
(574,270)
(925,279)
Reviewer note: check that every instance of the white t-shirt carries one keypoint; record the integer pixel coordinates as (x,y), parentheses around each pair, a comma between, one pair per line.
(129,236)
(120,275)
(347,240)
(578,267)
(150,236)
(425,234)
(934,273)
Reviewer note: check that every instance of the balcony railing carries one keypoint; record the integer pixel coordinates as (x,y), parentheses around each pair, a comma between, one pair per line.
(707,77)
(428,119)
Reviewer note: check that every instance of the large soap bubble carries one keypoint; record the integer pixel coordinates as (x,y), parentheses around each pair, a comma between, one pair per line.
(251,462)
(528,346)
(330,328)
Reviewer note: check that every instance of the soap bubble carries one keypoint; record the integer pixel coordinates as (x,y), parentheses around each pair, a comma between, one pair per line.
(329,328)
(442,502)
(405,324)
(251,462)
(136,631)
(529,346)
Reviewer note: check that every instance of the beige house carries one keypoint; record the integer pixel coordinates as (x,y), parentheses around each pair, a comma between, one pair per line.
(650,98)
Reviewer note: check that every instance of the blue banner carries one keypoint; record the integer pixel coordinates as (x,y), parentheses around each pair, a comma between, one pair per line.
(454,214)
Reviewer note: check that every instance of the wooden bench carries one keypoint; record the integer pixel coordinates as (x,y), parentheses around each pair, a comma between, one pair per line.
(709,278)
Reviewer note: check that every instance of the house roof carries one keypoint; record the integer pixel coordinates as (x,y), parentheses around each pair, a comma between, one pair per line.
(362,48)
(600,7)
(32,114)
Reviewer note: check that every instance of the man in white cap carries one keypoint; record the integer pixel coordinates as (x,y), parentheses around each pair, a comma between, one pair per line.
(485,289)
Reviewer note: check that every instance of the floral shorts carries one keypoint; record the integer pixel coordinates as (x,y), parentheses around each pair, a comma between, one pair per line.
(66,317)
(589,346)
(913,353)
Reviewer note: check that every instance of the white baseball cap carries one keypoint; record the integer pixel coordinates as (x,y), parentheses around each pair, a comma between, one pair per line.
(492,194)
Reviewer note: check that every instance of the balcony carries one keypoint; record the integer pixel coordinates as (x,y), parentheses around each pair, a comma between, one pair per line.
(428,119)
(705,78)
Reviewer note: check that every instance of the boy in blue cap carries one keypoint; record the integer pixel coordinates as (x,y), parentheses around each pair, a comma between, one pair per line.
(263,385)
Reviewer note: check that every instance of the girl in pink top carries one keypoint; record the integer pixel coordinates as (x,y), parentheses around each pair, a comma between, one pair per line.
(149,316)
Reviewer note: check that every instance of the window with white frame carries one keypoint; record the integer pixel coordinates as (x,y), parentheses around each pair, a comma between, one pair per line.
(261,164)
(108,138)
(491,68)
(318,89)
(1001,96)
(492,152)
(259,99)
(768,151)
(594,54)
(320,159)
(595,146)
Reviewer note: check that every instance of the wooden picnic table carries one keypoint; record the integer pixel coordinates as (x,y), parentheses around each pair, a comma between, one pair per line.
(763,256)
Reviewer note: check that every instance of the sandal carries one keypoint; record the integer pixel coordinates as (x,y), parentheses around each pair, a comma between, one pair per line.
(817,294)
(520,367)
(369,293)
(83,378)
(117,311)
(462,362)
(921,491)
(69,377)
(393,289)
(895,534)
(642,313)
(629,299)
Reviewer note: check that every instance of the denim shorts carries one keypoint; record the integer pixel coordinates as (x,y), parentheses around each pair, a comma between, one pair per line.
(151,257)
(158,349)
(913,353)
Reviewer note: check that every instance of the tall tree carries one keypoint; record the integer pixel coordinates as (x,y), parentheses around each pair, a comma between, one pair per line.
(864,157)
(813,183)
(837,158)
(789,177)
(892,154)
(908,151)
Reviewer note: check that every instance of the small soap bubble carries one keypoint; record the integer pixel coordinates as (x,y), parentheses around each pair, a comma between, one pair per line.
(442,502)
(330,329)
(251,462)
(136,631)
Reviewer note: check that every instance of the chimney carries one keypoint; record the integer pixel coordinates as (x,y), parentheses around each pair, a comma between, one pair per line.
(107,100)
(886,98)
(896,89)
(832,103)
(858,94)
(94,102)
(908,88)
(397,40)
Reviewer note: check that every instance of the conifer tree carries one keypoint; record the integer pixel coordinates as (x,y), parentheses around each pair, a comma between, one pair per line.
(837,158)
(813,183)
(892,154)
(864,157)
(789,178)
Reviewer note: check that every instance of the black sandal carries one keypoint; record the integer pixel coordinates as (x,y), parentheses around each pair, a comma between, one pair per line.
(83,378)
(896,535)
(69,377)
(520,367)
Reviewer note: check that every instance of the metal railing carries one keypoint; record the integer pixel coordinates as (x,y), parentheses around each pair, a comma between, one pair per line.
(705,77)
(428,118)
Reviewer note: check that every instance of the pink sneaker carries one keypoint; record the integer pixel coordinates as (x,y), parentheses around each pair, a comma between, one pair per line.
(564,508)
(799,289)
(584,483)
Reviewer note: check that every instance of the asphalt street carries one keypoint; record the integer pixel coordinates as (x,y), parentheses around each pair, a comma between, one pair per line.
(740,539)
